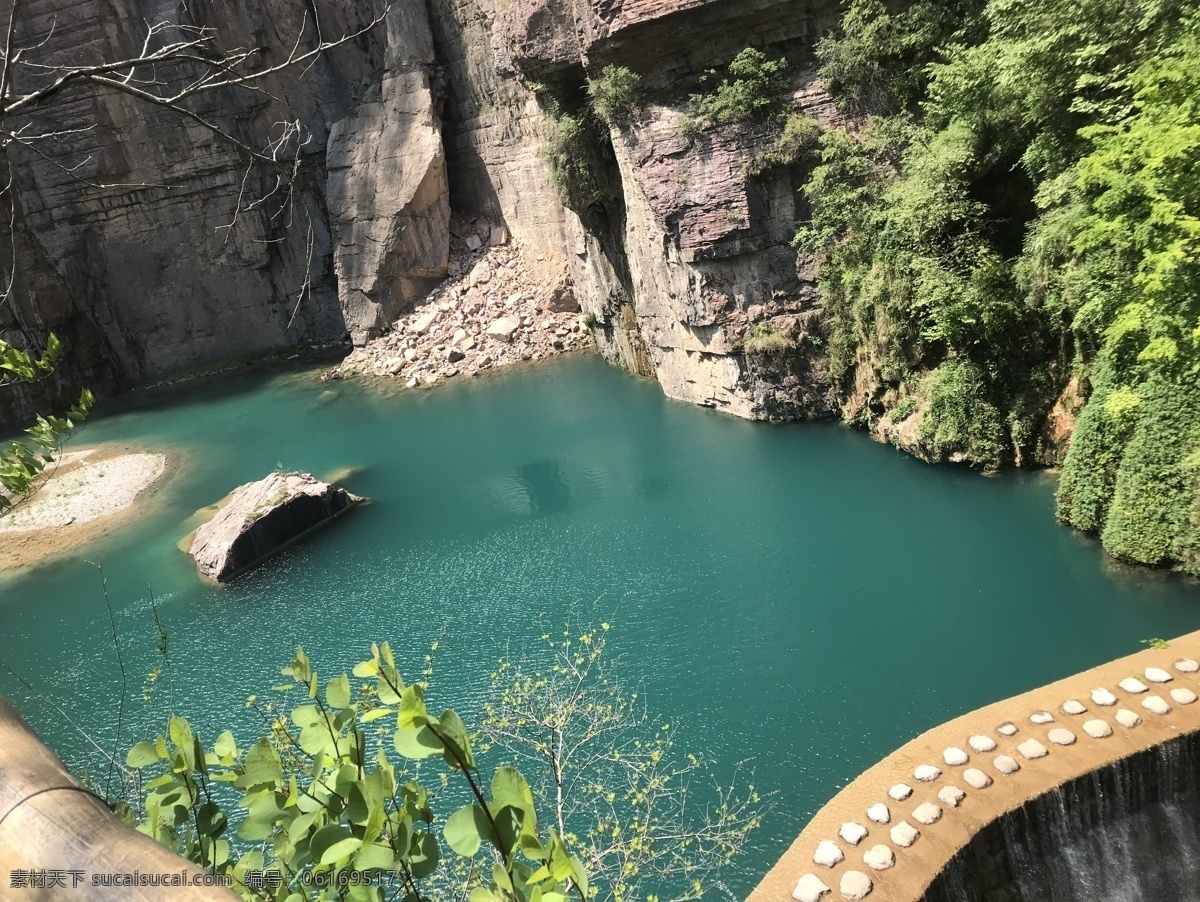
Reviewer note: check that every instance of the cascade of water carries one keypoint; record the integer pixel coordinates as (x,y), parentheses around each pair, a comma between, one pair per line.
(1126,833)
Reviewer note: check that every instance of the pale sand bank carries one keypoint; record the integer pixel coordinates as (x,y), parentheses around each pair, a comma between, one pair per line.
(87,492)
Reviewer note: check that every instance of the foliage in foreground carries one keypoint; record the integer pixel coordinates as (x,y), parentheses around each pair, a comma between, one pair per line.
(1022,210)
(344,795)
(23,462)
(609,775)
(326,811)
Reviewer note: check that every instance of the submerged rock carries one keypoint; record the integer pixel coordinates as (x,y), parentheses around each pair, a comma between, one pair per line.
(262,518)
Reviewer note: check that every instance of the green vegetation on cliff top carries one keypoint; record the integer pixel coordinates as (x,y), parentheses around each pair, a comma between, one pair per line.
(1019,208)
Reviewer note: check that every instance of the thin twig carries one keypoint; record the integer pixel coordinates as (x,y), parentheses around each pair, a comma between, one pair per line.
(112,621)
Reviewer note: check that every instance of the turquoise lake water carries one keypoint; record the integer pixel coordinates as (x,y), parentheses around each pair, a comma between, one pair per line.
(798,596)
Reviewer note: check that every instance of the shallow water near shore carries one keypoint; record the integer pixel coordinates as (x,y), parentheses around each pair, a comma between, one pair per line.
(796,599)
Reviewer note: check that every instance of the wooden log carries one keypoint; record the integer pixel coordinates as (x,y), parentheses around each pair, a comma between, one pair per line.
(50,825)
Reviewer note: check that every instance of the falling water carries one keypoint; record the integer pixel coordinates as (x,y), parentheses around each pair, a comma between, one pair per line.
(1126,833)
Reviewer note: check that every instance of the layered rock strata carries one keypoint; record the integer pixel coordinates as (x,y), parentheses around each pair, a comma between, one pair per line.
(387,194)
(683,251)
(147,245)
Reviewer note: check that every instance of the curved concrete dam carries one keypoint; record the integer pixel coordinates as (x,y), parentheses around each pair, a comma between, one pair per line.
(1085,790)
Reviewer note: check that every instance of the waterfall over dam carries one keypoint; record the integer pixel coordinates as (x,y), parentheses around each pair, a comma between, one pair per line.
(1085,790)
(1128,832)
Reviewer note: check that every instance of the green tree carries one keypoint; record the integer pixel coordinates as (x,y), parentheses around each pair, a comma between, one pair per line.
(616,95)
(1130,231)
(1018,212)
(335,803)
(610,775)
(752,89)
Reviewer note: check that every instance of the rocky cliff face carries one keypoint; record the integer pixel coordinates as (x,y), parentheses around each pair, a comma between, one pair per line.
(387,193)
(679,255)
(685,251)
(128,222)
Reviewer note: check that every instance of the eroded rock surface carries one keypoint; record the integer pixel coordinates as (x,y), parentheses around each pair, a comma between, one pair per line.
(685,251)
(262,518)
(387,192)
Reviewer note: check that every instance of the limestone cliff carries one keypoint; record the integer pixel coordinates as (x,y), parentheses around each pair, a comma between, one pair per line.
(387,194)
(128,244)
(684,251)
(679,254)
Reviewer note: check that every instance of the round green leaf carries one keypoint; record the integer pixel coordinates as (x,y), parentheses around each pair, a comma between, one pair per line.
(333,843)
(142,755)
(417,744)
(466,830)
(337,692)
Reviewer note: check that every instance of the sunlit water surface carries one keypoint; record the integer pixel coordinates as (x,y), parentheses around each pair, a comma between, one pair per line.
(798,600)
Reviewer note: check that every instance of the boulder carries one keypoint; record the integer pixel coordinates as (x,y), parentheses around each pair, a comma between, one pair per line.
(424,322)
(262,518)
(562,299)
(503,328)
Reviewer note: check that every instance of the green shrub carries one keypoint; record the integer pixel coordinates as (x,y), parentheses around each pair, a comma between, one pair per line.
(765,340)
(960,419)
(904,409)
(878,59)
(616,94)
(1024,202)
(799,140)
(569,151)
(753,89)
(1149,520)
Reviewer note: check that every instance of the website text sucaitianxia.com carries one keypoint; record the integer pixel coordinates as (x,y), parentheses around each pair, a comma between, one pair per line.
(51,878)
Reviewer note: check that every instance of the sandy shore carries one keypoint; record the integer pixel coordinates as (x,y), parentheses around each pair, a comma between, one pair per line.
(85,494)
